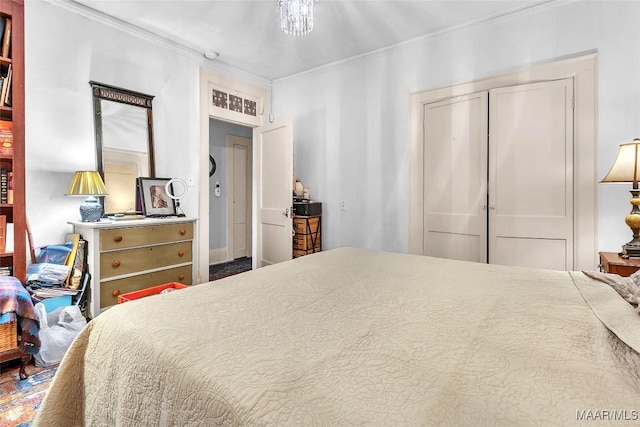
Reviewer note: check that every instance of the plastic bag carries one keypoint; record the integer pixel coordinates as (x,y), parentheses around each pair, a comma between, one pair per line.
(56,335)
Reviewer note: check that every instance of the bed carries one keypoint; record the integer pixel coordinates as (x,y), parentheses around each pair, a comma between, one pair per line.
(358,337)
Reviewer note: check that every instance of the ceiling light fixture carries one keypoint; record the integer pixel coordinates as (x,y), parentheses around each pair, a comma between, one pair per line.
(296,16)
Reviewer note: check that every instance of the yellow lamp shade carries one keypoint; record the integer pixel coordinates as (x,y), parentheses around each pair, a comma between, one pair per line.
(88,183)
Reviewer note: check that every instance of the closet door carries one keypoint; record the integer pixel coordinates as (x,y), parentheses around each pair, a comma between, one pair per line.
(531,175)
(455,178)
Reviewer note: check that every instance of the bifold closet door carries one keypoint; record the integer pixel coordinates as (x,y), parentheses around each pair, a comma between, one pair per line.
(455,178)
(531,175)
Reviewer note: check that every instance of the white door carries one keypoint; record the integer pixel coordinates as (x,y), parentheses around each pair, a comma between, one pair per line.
(531,175)
(455,171)
(274,169)
(239,221)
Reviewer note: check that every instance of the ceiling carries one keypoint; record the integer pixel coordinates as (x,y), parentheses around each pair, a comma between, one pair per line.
(247,35)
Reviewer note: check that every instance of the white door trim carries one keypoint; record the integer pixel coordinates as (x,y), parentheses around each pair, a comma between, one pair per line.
(261,94)
(583,70)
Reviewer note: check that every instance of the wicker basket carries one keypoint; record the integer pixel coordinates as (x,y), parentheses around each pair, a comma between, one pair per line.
(8,336)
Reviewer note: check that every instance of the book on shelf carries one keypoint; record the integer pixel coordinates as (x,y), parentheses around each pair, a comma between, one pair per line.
(8,241)
(6,87)
(3,232)
(6,271)
(7,101)
(4,186)
(6,137)
(3,21)
(10,187)
(6,38)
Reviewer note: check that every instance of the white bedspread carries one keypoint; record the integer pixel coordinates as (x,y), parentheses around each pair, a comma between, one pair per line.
(358,338)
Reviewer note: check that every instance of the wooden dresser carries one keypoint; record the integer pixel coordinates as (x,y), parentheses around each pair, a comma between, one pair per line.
(307,235)
(126,256)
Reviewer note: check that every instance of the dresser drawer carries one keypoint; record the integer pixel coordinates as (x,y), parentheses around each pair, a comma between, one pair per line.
(110,290)
(306,241)
(300,225)
(129,261)
(127,237)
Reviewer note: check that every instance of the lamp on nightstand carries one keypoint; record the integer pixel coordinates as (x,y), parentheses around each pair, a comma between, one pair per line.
(626,168)
(88,183)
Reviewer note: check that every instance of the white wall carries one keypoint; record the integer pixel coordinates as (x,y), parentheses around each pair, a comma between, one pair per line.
(64,51)
(351,120)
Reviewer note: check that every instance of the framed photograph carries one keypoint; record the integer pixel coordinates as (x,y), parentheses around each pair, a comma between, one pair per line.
(154,197)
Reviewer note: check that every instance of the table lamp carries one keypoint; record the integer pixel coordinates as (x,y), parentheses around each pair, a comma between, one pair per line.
(626,168)
(88,183)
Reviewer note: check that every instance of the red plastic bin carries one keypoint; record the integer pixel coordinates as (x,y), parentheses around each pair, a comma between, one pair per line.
(154,290)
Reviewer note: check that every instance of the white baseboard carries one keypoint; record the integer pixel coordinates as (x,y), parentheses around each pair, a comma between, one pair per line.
(217,256)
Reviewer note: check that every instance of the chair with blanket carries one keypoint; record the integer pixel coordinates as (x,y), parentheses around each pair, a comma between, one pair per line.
(19,323)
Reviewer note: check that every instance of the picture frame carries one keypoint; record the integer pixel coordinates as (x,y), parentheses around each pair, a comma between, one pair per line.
(155,200)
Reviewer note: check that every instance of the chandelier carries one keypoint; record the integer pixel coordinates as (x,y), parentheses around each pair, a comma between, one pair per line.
(296,16)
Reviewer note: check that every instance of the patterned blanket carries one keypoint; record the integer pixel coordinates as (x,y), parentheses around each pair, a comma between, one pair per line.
(627,287)
(16,306)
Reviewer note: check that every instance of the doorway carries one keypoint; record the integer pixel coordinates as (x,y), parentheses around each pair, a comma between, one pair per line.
(230,189)
(239,102)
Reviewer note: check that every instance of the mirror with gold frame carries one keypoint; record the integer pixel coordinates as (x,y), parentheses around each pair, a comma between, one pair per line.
(123,122)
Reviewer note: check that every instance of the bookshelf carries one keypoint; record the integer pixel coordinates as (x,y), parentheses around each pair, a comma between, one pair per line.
(13,222)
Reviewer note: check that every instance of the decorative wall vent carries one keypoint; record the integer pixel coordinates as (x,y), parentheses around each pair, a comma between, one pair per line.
(236,102)
(249,107)
(219,99)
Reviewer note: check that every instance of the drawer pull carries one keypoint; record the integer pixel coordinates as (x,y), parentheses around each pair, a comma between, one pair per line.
(183,231)
(180,253)
(117,239)
(181,277)
(295,241)
(116,292)
(116,264)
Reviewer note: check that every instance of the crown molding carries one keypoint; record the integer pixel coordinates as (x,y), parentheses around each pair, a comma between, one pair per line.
(157,39)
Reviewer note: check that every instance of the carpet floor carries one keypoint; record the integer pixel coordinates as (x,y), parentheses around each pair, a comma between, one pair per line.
(219,271)
(20,399)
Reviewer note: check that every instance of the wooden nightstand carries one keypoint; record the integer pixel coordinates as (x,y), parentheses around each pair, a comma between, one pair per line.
(611,262)
(307,235)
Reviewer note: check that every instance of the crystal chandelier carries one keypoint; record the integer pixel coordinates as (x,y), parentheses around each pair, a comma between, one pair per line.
(296,16)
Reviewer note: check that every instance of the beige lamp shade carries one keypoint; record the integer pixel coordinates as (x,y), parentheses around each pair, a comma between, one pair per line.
(626,168)
(86,183)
